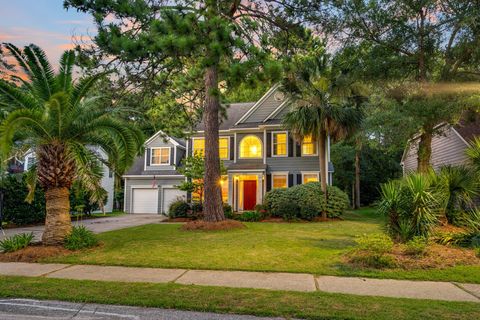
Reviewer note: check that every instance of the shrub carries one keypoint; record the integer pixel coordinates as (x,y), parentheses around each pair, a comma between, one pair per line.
(288,210)
(196,207)
(416,247)
(250,216)
(274,200)
(372,251)
(16,242)
(337,202)
(227,211)
(80,238)
(262,209)
(16,209)
(178,209)
(308,212)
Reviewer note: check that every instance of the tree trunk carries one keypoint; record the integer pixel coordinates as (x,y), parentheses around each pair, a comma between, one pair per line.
(57,223)
(212,206)
(424,152)
(323,165)
(357,178)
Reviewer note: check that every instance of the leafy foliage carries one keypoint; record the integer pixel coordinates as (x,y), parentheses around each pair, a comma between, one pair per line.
(473,152)
(416,247)
(80,238)
(16,242)
(178,209)
(372,250)
(250,216)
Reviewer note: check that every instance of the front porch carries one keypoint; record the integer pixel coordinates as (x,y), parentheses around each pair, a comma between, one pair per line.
(245,189)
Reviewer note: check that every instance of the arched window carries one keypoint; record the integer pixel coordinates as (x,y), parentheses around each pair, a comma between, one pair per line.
(251,147)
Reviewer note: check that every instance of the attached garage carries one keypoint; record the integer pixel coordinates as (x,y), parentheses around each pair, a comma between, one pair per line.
(169,195)
(145,200)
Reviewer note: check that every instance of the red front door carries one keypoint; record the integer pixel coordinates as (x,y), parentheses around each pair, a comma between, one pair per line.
(249,194)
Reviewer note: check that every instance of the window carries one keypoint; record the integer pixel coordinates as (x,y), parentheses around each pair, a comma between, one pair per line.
(309,146)
(279,181)
(251,147)
(310,177)
(224,186)
(160,156)
(223,147)
(279,144)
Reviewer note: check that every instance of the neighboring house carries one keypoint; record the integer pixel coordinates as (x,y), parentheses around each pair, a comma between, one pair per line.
(108,179)
(448,147)
(258,153)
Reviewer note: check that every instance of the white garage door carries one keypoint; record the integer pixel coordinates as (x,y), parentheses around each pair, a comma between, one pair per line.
(170,195)
(145,200)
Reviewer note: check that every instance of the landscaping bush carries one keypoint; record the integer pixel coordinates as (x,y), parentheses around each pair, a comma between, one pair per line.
(197,207)
(262,209)
(16,242)
(309,201)
(227,211)
(416,247)
(16,209)
(178,209)
(372,250)
(250,216)
(80,238)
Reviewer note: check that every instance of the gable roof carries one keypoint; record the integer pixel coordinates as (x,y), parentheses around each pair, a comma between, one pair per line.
(234,112)
(258,104)
(175,141)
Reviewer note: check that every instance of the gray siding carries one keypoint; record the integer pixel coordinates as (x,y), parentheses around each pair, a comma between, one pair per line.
(147,183)
(264,109)
(447,149)
(282,113)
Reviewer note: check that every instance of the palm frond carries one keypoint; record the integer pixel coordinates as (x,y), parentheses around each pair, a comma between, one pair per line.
(64,78)
(83,86)
(20,58)
(16,97)
(43,79)
(31,181)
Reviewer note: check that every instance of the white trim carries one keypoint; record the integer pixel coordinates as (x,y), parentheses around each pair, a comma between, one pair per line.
(160,132)
(280,173)
(160,164)
(154,175)
(271,144)
(310,172)
(258,103)
(265,146)
(309,155)
(125,195)
(145,162)
(276,111)
(235,148)
(240,149)
(460,136)
(245,170)
(175,157)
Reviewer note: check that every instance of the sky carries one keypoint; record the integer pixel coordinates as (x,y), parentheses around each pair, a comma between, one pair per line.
(45,23)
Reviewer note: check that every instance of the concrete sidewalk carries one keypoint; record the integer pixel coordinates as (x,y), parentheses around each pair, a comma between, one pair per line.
(446,291)
(97,225)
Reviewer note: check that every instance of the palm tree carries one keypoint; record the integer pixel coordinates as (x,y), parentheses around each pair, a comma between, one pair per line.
(54,116)
(473,153)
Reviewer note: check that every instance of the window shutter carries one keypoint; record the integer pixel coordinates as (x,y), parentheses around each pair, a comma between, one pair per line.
(299,178)
(290,180)
(298,151)
(232,148)
(189,147)
(269,182)
(172,155)
(148,156)
(291,143)
(269,144)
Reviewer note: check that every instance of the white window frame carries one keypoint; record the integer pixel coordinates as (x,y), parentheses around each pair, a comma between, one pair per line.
(220,137)
(280,173)
(317,173)
(272,146)
(309,155)
(240,148)
(160,164)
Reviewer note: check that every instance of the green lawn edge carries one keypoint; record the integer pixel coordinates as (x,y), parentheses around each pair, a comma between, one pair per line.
(312,305)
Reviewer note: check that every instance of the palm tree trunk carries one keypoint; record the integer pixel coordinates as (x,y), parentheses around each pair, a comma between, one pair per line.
(323,165)
(57,223)
(424,152)
(213,207)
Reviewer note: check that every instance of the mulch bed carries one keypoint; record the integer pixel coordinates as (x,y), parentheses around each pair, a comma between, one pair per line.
(179,220)
(212,226)
(33,253)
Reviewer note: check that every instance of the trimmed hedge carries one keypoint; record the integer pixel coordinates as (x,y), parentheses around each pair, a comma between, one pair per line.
(305,201)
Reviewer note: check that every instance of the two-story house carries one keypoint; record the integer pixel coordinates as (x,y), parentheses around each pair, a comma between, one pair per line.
(258,153)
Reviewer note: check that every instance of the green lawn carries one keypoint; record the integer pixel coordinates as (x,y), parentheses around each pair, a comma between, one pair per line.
(290,247)
(315,305)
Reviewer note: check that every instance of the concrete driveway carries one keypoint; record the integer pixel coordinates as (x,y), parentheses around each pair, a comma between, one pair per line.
(96,225)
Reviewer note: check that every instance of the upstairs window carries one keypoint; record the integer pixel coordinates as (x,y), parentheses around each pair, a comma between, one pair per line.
(309,146)
(279,144)
(251,147)
(223,147)
(160,156)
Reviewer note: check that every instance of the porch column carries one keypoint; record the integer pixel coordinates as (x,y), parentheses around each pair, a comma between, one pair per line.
(260,188)
(230,189)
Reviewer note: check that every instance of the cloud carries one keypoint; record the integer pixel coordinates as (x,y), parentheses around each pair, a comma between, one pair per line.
(74,22)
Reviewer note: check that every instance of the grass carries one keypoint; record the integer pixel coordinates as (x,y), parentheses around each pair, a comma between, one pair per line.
(315,305)
(316,248)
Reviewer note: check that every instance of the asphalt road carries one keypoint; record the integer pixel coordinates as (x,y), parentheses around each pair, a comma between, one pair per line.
(27,309)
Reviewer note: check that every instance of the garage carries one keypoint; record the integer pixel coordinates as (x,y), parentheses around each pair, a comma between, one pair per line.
(169,195)
(145,200)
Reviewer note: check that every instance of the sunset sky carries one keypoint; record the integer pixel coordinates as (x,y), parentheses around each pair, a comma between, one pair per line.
(43,22)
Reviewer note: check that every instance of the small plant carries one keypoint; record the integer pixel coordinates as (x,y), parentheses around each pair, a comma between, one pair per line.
(372,250)
(80,238)
(227,211)
(250,216)
(178,209)
(16,242)
(416,247)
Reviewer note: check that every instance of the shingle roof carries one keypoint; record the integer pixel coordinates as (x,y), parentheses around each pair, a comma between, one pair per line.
(234,112)
(137,170)
(469,127)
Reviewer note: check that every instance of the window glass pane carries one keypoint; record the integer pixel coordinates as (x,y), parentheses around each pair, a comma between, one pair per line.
(224,185)
(279,144)
(309,147)
(223,148)
(251,147)
(311,177)
(165,156)
(199,146)
(279,181)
